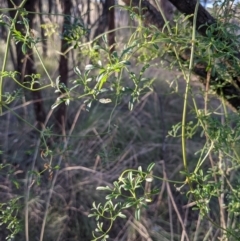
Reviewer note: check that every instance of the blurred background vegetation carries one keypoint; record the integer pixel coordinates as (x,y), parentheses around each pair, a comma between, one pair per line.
(88,91)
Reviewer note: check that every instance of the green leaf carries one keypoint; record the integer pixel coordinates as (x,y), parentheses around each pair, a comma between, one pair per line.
(100,225)
(89,67)
(155,191)
(121,215)
(102,79)
(105,101)
(149,178)
(129,204)
(56,167)
(130,176)
(131,104)
(104,188)
(105,40)
(150,166)
(88,80)
(137,214)
(125,62)
(99,63)
(16,184)
(24,48)
(110,196)
(128,50)
(116,184)
(144,68)
(77,71)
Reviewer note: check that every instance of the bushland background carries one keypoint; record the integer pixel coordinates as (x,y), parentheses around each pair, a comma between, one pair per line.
(62,136)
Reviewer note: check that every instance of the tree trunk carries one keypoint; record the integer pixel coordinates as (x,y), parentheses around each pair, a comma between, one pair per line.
(60,114)
(103,21)
(44,38)
(26,63)
(111,25)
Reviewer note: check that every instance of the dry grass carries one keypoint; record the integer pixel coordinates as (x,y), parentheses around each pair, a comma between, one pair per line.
(97,151)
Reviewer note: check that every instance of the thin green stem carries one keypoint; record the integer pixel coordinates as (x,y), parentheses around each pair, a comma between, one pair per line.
(184,115)
(40,59)
(32,89)
(105,233)
(145,173)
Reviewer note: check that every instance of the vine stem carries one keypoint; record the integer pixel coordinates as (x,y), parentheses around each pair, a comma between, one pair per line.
(184,115)
(6,52)
(41,61)
(187,78)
